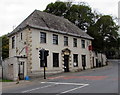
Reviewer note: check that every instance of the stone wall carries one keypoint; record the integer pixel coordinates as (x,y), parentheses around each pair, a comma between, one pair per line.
(8,68)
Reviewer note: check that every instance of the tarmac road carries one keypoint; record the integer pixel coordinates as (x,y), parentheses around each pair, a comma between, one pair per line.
(98,80)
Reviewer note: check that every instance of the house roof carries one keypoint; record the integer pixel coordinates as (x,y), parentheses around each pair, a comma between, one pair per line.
(50,22)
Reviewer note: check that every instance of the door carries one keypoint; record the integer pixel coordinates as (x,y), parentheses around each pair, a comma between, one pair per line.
(66,63)
(84,61)
(21,70)
(93,62)
(97,63)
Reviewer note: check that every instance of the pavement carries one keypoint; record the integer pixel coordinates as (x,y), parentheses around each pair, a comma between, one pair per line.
(98,80)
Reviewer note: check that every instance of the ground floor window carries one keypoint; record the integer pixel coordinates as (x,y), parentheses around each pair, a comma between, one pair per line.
(55,59)
(75,60)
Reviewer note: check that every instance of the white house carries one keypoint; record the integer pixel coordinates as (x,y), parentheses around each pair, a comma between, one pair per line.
(68,46)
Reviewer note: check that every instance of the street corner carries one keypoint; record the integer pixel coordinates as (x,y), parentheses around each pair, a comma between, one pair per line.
(8,85)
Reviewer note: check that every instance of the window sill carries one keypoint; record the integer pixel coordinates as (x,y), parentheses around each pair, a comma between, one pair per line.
(66,46)
(42,43)
(55,44)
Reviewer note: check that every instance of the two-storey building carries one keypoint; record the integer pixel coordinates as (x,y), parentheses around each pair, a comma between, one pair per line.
(68,46)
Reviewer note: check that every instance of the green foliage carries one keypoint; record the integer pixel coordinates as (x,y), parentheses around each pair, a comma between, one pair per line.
(5,46)
(5,80)
(104,32)
(58,8)
(81,15)
(101,27)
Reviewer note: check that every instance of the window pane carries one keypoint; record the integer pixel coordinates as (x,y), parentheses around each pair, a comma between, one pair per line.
(83,43)
(65,41)
(55,59)
(55,39)
(13,42)
(21,36)
(42,37)
(74,42)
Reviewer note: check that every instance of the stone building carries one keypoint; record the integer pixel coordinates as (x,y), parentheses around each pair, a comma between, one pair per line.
(68,46)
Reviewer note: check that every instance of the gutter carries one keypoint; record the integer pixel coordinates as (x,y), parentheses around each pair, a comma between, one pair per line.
(47,29)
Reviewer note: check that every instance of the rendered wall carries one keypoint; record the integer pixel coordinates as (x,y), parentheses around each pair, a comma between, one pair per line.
(36,46)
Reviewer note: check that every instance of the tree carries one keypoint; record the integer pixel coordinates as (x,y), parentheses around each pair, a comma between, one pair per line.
(104,32)
(101,27)
(5,46)
(58,8)
(81,14)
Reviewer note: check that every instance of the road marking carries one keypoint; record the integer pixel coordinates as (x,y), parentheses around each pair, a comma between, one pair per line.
(83,85)
(73,89)
(36,89)
(57,83)
(65,83)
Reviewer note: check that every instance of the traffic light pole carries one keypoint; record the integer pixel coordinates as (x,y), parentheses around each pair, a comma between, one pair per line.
(44,70)
(43,53)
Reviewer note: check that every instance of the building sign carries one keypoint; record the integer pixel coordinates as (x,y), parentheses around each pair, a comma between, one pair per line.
(90,47)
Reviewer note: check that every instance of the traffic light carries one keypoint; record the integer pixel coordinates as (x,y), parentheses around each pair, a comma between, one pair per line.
(41,54)
(46,53)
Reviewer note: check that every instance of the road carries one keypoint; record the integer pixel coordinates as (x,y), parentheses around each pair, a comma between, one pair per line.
(99,80)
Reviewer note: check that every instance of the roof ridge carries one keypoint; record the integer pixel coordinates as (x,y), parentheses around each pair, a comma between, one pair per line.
(38,19)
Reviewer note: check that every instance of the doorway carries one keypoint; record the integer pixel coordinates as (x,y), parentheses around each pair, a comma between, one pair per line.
(66,63)
(21,70)
(93,62)
(84,61)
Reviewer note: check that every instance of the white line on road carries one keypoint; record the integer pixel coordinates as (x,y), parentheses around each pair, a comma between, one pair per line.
(83,85)
(57,83)
(65,83)
(75,88)
(36,89)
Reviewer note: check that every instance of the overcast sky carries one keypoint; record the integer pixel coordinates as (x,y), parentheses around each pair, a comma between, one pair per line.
(13,12)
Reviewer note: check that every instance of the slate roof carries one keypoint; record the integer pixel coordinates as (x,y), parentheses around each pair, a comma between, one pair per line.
(49,22)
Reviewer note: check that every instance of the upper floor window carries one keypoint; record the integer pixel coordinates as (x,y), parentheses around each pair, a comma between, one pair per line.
(74,42)
(75,60)
(55,39)
(21,36)
(42,37)
(13,42)
(88,43)
(83,43)
(65,41)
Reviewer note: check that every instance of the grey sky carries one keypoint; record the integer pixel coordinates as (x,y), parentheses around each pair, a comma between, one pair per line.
(13,12)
